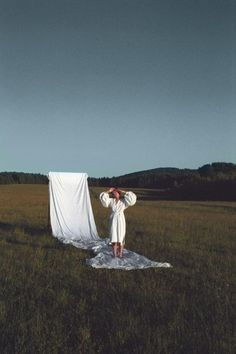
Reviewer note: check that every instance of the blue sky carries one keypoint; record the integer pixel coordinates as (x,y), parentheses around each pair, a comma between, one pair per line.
(110,87)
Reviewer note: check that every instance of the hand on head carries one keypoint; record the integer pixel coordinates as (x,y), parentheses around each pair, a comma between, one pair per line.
(115,192)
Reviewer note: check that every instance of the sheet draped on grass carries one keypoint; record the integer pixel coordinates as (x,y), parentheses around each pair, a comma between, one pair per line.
(72,222)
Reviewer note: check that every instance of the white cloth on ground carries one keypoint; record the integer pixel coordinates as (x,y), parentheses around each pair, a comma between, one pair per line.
(117,224)
(73,223)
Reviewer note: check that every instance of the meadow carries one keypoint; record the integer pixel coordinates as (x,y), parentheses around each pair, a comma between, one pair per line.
(52,302)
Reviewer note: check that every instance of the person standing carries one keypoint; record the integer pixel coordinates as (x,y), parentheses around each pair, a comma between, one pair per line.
(117,224)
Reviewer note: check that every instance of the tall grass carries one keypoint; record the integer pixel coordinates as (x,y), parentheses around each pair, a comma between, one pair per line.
(52,302)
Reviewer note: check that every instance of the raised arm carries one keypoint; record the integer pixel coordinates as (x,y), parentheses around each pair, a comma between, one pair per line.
(130,198)
(105,199)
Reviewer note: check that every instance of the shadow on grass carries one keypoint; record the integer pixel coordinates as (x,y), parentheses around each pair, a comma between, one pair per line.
(32,231)
(152,194)
(14,241)
(28,231)
(172,194)
(5,226)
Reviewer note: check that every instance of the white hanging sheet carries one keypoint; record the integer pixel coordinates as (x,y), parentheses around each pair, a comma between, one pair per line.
(70,207)
(72,222)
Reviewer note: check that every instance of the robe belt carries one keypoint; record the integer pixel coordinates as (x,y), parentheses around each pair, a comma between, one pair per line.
(117,213)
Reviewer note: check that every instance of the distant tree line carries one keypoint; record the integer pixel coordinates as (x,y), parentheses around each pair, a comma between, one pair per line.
(169,177)
(22,178)
(216,181)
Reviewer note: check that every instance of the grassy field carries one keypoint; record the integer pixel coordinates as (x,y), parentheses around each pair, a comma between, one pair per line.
(52,302)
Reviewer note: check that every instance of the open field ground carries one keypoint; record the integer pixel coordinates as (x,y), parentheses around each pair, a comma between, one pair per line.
(52,302)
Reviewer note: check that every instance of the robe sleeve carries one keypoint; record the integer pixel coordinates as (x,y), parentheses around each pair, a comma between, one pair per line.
(105,199)
(130,199)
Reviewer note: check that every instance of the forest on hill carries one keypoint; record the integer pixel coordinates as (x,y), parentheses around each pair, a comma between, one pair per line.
(215,181)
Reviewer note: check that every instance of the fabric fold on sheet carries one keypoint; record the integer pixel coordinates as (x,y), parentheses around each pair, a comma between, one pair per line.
(73,223)
(104,257)
(129,261)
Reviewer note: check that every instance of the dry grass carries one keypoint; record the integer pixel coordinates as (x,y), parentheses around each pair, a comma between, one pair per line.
(51,302)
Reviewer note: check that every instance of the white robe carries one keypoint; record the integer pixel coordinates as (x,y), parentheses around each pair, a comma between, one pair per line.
(117,223)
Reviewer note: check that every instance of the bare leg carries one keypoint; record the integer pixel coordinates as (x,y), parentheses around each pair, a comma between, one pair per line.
(114,248)
(121,249)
